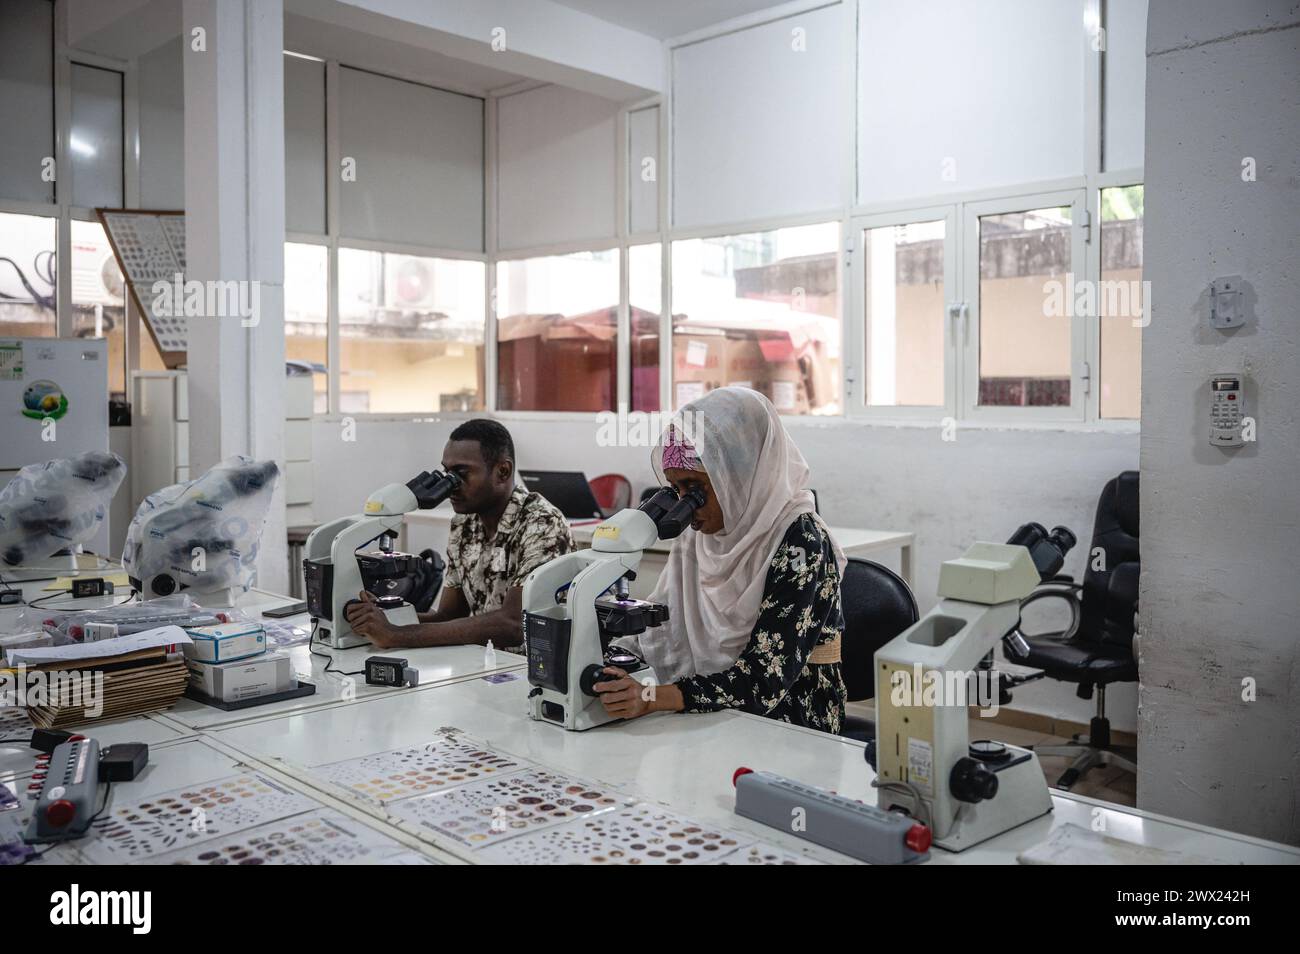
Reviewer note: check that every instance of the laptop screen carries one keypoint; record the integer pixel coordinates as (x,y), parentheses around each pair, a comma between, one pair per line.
(566,489)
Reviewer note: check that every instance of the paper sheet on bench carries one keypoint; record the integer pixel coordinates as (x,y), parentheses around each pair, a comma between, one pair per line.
(117,646)
(1072,845)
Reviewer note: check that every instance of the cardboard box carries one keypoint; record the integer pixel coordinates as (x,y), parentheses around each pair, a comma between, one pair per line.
(698,363)
(242,679)
(225,642)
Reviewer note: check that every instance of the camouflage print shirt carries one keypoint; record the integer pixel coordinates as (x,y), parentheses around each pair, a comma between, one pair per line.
(531,532)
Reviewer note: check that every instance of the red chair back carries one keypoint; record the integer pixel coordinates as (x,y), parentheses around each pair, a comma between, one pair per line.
(612,491)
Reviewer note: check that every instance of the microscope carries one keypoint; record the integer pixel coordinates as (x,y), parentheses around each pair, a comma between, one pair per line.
(335,568)
(576,604)
(926,680)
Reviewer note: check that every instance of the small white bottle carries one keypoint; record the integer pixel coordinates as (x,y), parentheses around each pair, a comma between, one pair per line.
(489,656)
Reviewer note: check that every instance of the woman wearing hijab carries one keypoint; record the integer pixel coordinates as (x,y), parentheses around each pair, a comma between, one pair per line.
(753,587)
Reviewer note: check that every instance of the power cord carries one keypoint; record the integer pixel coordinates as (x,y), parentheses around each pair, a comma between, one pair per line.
(906,788)
(329,659)
(78,609)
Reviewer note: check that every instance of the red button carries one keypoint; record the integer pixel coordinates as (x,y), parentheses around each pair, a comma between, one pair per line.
(735,776)
(1232,397)
(60,813)
(918,838)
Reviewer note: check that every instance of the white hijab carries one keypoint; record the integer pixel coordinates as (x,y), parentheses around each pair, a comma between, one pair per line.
(713,583)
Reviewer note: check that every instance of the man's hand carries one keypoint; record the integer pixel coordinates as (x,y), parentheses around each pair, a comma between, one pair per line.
(623,697)
(368,620)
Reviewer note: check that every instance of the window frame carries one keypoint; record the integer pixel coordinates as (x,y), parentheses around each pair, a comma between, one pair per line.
(857,347)
(971,409)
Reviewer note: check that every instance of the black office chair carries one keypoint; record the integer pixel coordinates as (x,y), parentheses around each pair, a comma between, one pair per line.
(877,605)
(1097,649)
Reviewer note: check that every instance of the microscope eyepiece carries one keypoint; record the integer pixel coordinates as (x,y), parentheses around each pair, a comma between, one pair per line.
(1048,550)
(673,514)
(431,489)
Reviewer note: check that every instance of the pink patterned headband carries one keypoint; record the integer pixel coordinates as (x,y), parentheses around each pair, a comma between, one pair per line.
(679,453)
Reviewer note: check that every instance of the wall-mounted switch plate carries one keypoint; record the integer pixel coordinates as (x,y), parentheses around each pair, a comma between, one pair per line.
(1227,307)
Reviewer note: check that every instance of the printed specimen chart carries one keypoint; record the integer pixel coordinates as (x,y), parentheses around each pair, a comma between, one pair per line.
(14,722)
(640,834)
(320,837)
(763,854)
(150,248)
(491,811)
(450,759)
(189,816)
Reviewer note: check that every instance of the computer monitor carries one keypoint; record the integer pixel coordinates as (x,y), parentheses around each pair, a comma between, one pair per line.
(567,489)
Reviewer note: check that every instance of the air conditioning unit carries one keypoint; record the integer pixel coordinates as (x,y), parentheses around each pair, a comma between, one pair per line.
(96,279)
(409,283)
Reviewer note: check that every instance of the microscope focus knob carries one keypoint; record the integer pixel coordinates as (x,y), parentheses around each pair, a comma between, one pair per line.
(590,676)
(971,781)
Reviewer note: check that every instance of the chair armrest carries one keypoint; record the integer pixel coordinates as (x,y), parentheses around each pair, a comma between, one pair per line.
(1062,591)
(1014,641)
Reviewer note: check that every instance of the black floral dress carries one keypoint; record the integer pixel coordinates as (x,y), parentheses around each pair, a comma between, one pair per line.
(800,609)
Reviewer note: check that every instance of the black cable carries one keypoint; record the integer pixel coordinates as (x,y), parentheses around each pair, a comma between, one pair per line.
(78,609)
(45,301)
(107,788)
(46,274)
(26,741)
(329,664)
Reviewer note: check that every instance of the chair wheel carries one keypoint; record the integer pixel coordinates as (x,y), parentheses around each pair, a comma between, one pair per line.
(1068,779)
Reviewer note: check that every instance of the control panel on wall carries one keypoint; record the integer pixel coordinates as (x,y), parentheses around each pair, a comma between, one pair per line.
(1227,411)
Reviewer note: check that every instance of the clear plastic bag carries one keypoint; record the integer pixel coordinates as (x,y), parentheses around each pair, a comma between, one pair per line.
(68,625)
(56,505)
(204,534)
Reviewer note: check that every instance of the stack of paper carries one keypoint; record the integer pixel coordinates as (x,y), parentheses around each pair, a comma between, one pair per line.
(108,679)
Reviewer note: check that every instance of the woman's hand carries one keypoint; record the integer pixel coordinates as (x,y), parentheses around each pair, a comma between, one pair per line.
(624,697)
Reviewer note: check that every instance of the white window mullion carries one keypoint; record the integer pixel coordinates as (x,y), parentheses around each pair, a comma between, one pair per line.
(333,181)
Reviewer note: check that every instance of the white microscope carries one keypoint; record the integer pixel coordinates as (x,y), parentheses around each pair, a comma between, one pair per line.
(577,603)
(925,680)
(333,568)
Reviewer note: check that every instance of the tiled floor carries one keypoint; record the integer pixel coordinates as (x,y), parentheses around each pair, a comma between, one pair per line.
(1110,785)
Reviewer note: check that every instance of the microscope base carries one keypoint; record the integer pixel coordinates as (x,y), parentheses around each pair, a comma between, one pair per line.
(403,615)
(577,711)
(1022,796)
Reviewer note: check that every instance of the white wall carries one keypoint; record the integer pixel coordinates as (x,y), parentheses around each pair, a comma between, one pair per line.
(418,156)
(983,485)
(1219,600)
(556,163)
(161,91)
(761,119)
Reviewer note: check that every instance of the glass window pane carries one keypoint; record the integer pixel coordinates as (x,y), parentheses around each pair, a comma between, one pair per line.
(905,314)
(1121,302)
(761,311)
(27,276)
(95,143)
(306,315)
(1024,345)
(411,333)
(557,330)
(644,298)
(98,302)
(26,100)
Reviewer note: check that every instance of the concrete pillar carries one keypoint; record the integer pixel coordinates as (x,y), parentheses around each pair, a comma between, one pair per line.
(234,210)
(1219,705)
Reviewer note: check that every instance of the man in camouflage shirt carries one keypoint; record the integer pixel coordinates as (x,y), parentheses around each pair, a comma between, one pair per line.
(500,534)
